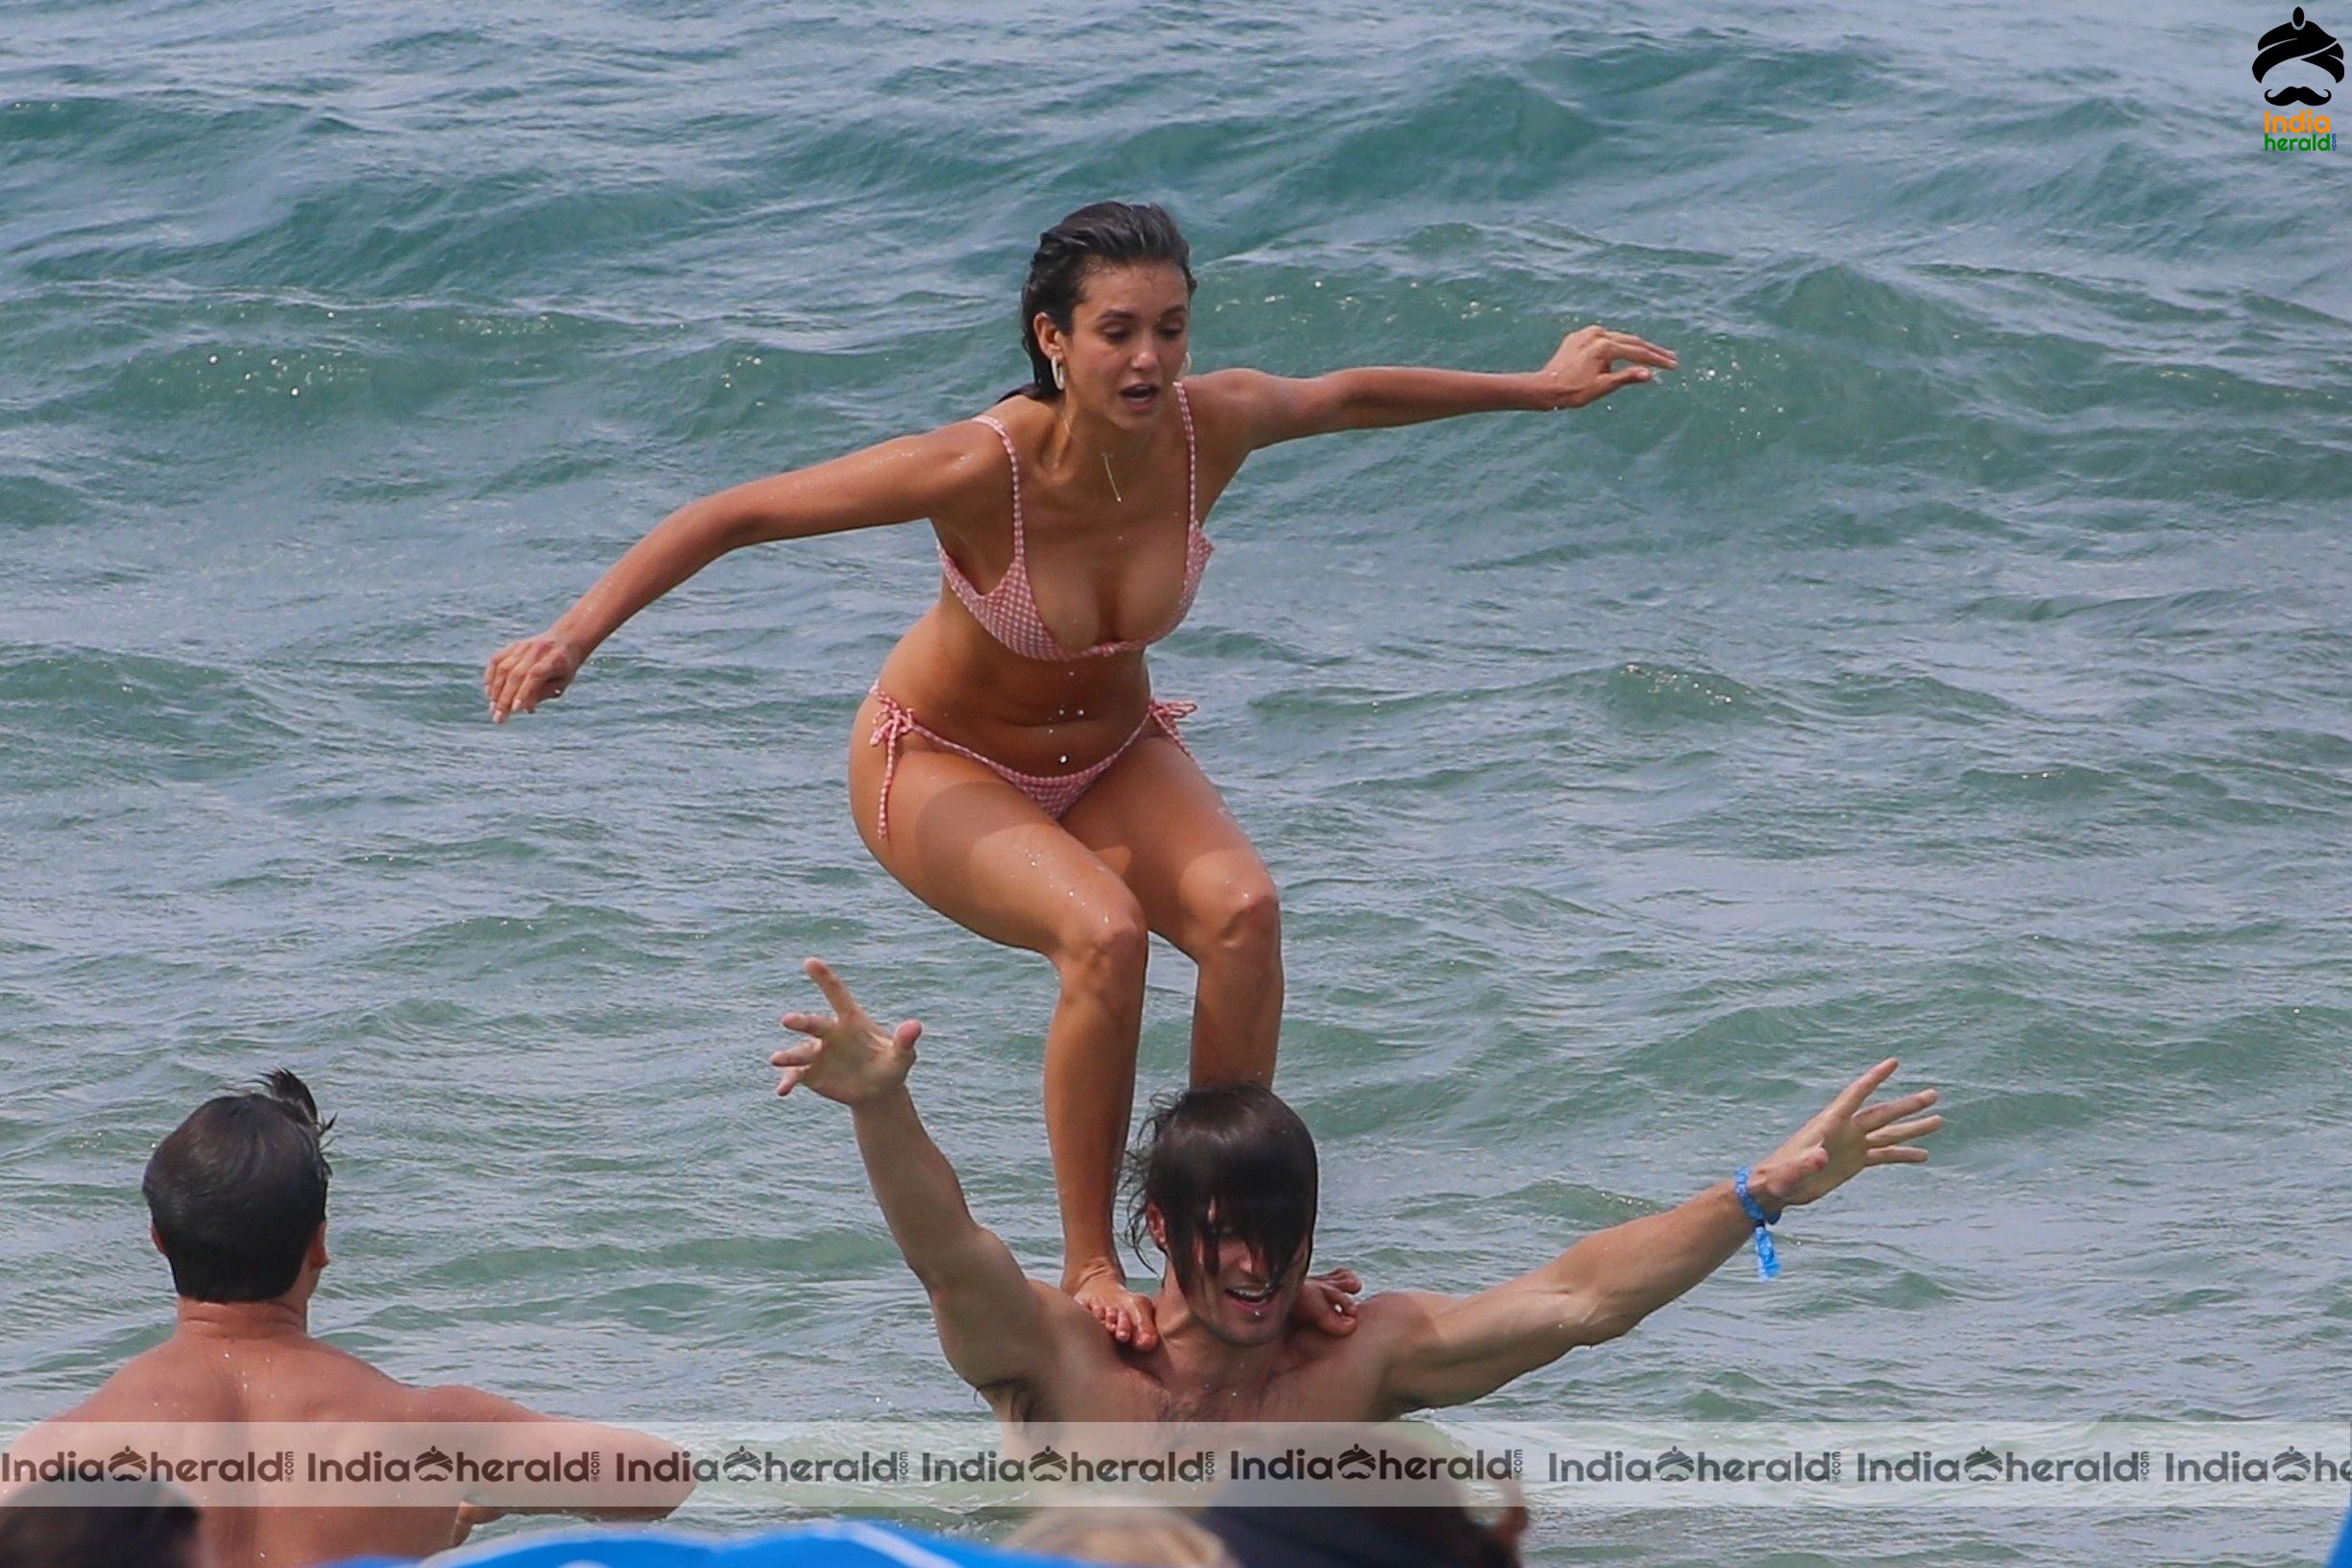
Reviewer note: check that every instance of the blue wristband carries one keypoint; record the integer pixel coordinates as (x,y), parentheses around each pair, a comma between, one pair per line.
(1768,1260)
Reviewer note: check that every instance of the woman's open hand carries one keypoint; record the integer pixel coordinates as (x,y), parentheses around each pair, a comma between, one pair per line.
(1584,369)
(522,675)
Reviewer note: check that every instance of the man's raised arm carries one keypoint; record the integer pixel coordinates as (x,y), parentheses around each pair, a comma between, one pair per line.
(1450,1350)
(985,1308)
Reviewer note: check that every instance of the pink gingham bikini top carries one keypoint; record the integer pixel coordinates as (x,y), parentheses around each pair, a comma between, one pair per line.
(1008,611)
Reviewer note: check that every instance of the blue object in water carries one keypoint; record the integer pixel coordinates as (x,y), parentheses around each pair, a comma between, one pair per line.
(841,1543)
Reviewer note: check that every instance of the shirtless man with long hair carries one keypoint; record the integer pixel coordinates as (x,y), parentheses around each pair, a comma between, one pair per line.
(1226,1189)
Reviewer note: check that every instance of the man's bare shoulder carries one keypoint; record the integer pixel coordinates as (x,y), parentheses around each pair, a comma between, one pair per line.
(127,1392)
(1340,1377)
(1081,1372)
(275,1380)
(1397,1312)
(462,1402)
(1076,1342)
(283,1381)
(1385,1319)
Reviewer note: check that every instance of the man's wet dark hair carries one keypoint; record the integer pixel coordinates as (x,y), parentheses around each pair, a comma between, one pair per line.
(1106,234)
(1226,1159)
(239,1190)
(70,1524)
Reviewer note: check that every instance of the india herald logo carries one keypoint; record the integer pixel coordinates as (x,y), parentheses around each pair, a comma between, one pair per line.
(2300,60)
(2299,48)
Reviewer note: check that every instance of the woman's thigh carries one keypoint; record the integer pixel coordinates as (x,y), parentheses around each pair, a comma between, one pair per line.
(1157,822)
(978,850)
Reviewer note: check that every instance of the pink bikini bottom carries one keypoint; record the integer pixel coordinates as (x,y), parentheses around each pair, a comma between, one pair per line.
(1054,792)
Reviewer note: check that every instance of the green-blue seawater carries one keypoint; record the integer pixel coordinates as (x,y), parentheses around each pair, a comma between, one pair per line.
(1953,659)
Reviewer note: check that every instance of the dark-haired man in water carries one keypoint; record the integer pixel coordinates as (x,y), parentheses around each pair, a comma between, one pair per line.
(237,1196)
(1228,1191)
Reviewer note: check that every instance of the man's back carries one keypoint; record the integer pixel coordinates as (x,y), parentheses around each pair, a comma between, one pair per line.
(236,1199)
(231,1381)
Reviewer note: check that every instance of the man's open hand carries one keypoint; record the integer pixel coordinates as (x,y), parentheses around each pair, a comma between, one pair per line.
(846,1055)
(1834,1146)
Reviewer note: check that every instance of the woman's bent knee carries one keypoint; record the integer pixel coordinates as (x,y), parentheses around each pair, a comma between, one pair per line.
(1104,944)
(1243,920)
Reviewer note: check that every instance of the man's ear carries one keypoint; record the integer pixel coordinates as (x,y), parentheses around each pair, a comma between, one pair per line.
(155,1235)
(317,1257)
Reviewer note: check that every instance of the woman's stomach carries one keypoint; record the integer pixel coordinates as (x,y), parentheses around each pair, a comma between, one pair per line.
(1026,714)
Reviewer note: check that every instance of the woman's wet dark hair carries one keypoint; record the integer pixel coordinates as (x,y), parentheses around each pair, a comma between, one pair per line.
(1106,234)
(239,1190)
(1226,1159)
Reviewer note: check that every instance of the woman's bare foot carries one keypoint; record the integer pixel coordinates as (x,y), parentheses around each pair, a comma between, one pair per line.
(1101,1289)
(1328,1302)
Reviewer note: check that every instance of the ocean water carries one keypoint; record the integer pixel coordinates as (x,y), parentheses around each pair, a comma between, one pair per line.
(1951,660)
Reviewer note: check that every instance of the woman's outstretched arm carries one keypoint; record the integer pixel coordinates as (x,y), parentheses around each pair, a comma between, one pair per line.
(1275,408)
(896,481)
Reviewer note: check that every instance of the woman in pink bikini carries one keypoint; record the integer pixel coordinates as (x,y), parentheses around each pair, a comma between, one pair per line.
(1011,765)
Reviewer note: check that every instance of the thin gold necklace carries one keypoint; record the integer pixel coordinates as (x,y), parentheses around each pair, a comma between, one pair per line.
(1106,473)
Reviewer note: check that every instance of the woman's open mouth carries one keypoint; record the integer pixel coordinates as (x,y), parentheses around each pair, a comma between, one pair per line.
(1139,397)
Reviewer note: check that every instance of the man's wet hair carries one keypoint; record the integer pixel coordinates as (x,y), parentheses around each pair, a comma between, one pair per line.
(111,1524)
(239,1190)
(1226,1159)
